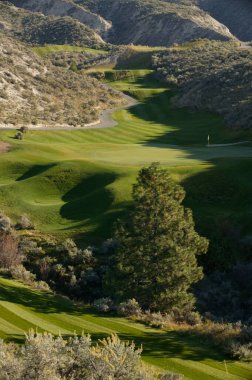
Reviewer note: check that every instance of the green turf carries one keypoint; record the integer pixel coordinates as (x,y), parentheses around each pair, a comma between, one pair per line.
(76,183)
(48,49)
(22,308)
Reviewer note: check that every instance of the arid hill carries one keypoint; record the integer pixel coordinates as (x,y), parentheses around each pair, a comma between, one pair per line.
(33,91)
(211,75)
(145,22)
(36,28)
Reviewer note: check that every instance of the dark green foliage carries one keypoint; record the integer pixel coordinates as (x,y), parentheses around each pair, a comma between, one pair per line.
(66,268)
(227,294)
(156,260)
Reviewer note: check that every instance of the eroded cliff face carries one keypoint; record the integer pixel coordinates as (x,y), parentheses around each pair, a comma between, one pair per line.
(156,22)
(145,22)
(66,8)
(235,14)
(147,25)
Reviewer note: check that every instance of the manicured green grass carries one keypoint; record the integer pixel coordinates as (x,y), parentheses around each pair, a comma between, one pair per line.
(48,49)
(76,183)
(22,308)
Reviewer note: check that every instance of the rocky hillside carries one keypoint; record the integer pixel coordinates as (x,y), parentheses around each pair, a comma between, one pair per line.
(33,91)
(211,75)
(145,22)
(38,29)
(65,8)
(235,14)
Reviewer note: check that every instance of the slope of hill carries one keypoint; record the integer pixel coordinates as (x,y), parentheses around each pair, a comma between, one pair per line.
(65,8)
(215,76)
(36,28)
(34,91)
(156,23)
(236,15)
(145,22)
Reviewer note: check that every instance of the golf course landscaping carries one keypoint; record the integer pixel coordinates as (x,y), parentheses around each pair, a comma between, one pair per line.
(22,309)
(76,183)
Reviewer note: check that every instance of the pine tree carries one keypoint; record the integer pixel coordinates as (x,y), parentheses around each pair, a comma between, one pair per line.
(156,260)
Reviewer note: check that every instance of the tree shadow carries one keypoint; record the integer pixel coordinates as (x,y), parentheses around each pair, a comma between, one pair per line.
(157,343)
(185,127)
(35,170)
(89,198)
(90,205)
(38,301)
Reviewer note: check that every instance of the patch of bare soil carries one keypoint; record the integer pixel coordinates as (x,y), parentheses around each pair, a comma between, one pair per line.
(4,147)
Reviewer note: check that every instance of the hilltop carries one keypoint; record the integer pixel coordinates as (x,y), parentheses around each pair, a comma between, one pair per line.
(38,29)
(65,8)
(33,91)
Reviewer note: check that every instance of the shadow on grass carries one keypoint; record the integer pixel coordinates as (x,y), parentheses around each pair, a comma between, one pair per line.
(159,344)
(35,170)
(41,302)
(91,202)
(88,198)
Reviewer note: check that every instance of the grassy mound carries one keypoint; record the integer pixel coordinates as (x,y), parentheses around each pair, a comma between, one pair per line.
(22,308)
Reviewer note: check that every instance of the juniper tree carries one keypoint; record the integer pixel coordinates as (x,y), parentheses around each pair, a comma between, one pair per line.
(156,261)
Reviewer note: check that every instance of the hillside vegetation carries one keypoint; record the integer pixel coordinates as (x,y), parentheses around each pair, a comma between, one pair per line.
(37,29)
(214,76)
(33,91)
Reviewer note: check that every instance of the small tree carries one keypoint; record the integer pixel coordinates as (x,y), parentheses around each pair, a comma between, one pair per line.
(156,261)
(9,254)
(73,67)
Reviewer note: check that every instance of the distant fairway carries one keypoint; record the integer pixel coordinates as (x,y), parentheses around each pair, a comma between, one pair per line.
(76,183)
(48,49)
(22,309)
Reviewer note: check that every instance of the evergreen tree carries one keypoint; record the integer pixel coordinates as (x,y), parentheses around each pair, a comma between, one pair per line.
(156,260)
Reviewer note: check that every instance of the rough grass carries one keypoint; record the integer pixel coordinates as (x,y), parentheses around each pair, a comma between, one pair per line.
(76,183)
(48,49)
(22,308)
